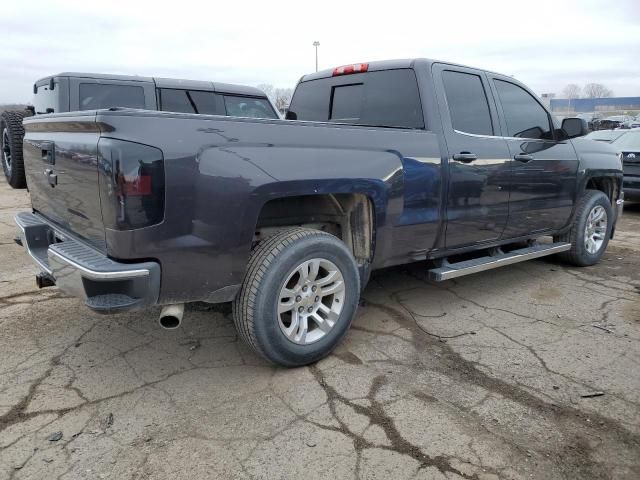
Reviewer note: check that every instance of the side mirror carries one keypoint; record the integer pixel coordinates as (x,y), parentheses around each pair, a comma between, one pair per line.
(575,127)
(291,115)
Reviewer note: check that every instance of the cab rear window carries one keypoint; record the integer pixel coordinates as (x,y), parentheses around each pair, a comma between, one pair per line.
(387,98)
(106,95)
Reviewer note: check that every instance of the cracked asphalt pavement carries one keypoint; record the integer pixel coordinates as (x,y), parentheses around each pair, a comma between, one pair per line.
(529,371)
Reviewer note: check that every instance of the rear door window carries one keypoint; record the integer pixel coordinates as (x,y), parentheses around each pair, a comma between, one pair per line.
(97,95)
(205,102)
(252,107)
(386,98)
(173,100)
(468,105)
(188,101)
(525,117)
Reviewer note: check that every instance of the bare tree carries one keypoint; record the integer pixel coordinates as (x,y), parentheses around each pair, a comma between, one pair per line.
(571,91)
(597,90)
(282,98)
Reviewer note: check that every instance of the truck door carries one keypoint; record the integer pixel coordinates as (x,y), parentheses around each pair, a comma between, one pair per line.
(543,185)
(479,162)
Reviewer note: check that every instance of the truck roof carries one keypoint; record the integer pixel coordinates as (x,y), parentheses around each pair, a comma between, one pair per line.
(163,82)
(388,65)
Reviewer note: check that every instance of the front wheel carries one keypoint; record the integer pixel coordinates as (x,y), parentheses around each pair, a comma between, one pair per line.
(298,297)
(591,229)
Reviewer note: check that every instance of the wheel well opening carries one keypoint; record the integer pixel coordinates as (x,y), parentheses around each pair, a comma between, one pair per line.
(605,184)
(347,216)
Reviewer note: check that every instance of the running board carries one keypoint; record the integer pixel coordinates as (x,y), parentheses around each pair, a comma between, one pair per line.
(452,270)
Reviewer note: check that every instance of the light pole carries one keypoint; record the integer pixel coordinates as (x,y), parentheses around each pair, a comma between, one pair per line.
(316,44)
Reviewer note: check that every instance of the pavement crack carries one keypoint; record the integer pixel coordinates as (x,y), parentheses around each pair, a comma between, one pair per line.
(17,413)
(570,420)
(377,416)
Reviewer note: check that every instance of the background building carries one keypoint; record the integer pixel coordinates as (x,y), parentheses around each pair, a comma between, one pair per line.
(611,104)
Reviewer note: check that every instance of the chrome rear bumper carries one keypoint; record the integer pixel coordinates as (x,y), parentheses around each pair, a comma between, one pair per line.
(106,286)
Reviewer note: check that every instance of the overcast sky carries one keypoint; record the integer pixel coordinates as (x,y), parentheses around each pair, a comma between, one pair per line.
(546,44)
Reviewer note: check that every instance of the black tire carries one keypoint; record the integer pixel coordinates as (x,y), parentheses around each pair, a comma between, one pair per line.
(578,255)
(11,135)
(255,308)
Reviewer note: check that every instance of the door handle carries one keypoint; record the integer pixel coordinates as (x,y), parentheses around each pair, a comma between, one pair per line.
(522,157)
(465,157)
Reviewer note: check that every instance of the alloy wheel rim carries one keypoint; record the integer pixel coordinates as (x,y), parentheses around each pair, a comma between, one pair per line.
(595,230)
(6,150)
(311,300)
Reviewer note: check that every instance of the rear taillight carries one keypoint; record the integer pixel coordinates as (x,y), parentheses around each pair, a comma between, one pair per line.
(131,179)
(348,69)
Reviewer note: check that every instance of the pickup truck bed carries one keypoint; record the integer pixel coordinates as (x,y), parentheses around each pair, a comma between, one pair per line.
(265,212)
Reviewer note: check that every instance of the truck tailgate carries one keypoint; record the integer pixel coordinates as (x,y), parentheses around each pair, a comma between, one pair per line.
(60,156)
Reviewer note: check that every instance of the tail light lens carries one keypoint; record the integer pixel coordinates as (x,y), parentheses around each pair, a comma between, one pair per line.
(131,180)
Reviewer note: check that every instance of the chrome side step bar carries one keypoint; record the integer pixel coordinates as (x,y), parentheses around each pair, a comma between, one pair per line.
(448,270)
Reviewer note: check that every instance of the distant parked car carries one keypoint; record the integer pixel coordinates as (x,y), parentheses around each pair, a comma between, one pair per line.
(615,121)
(634,123)
(607,136)
(629,146)
(590,118)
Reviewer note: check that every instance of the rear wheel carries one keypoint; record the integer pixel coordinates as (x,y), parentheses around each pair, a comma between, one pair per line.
(299,296)
(11,135)
(591,229)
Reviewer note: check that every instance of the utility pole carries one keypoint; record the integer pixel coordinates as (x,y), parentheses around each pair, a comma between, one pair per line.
(316,44)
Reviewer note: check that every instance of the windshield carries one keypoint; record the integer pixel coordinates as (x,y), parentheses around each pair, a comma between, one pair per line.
(630,141)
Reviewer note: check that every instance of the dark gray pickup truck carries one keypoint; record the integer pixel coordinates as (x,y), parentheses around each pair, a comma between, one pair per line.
(74,91)
(378,164)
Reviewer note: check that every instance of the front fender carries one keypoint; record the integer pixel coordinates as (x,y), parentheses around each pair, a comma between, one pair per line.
(597,159)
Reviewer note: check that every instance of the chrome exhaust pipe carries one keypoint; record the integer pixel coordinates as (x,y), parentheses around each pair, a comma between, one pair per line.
(171,316)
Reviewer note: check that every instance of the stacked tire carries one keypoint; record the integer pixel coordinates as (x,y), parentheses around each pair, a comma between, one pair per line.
(11,135)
